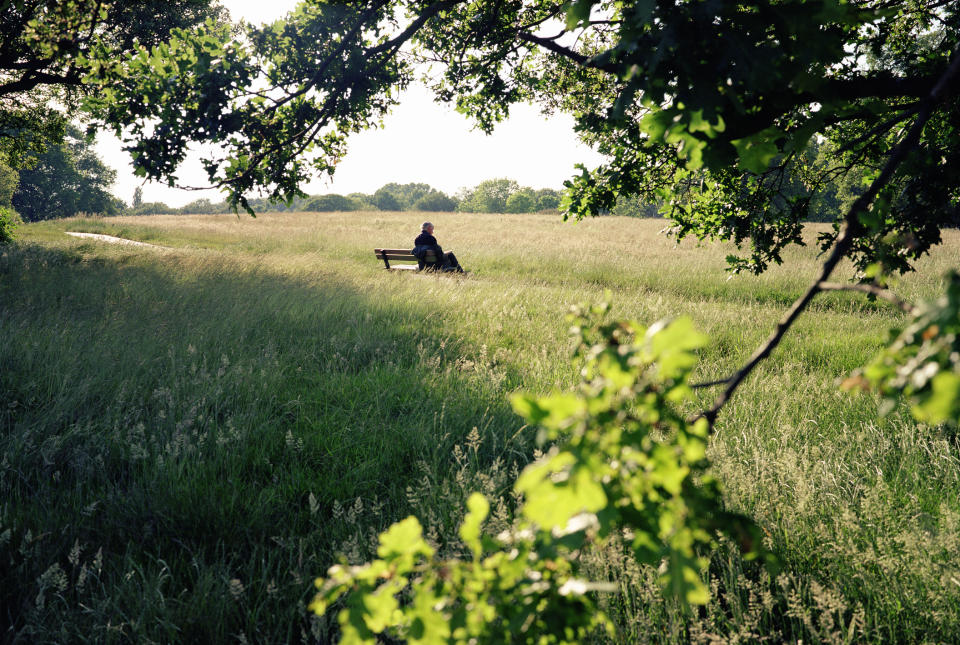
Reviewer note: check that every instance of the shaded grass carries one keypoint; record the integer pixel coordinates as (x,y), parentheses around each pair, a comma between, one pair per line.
(192,417)
(219,420)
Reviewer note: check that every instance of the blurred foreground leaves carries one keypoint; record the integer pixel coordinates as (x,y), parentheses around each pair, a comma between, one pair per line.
(620,460)
(922,362)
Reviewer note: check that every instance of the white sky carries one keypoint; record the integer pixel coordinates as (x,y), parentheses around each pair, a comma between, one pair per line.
(421,141)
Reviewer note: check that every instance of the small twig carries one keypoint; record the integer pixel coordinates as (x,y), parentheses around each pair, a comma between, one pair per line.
(706,384)
(311,130)
(871,290)
(879,129)
(844,242)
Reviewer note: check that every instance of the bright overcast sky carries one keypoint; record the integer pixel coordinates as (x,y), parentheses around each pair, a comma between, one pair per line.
(421,141)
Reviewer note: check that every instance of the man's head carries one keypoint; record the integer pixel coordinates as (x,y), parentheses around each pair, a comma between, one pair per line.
(427,228)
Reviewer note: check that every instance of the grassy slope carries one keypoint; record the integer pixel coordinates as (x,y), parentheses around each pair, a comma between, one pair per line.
(187,437)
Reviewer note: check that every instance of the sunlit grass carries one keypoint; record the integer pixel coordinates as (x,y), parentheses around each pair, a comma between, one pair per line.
(188,436)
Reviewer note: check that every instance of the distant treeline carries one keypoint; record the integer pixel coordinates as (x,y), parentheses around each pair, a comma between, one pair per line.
(70,179)
(490,196)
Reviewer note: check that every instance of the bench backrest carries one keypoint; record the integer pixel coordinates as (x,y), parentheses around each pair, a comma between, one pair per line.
(402,255)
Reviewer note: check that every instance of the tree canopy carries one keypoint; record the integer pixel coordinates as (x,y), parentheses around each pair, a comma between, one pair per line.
(46,48)
(506,196)
(9,178)
(707,107)
(66,179)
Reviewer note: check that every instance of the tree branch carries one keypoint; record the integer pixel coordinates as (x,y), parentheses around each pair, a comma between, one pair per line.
(396,42)
(310,132)
(575,56)
(851,230)
(32,80)
(881,86)
(549,16)
(876,86)
(322,68)
(872,290)
(881,129)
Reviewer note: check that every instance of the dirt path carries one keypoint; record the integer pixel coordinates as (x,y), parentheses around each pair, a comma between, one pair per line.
(115,240)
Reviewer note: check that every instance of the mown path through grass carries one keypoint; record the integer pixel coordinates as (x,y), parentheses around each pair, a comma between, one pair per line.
(110,239)
(190,437)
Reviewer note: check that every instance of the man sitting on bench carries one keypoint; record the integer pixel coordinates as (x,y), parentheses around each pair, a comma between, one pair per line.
(427,242)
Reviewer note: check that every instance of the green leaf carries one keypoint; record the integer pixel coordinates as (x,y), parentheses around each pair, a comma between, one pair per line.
(528,407)
(554,412)
(658,122)
(428,626)
(943,404)
(685,581)
(477,510)
(381,608)
(353,627)
(755,153)
(551,504)
(578,12)
(922,362)
(699,124)
(668,471)
(403,540)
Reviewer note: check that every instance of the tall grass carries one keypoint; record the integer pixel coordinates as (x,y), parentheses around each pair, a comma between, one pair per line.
(189,436)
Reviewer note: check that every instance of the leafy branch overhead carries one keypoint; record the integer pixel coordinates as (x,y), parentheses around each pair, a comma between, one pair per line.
(271,99)
(45,49)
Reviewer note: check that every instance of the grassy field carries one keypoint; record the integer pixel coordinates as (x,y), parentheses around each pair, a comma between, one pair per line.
(189,435)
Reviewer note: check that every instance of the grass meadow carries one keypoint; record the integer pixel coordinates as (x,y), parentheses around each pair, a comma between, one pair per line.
(189,435)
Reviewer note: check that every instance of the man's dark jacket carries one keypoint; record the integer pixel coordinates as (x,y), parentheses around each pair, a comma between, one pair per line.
(426,242)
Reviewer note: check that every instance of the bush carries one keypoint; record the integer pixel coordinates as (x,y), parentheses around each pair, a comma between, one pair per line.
(9,220)
(9,179)
(331,203)
(363,201)
(635,207)
(435,202)
(622,459)
(522,202)
(489,196)
(548,199)
(154,208)
(506,196)
(203,206)
(386,200)
(66,179)
(401,197)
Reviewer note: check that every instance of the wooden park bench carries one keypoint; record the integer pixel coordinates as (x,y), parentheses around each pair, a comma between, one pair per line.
(404,255)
